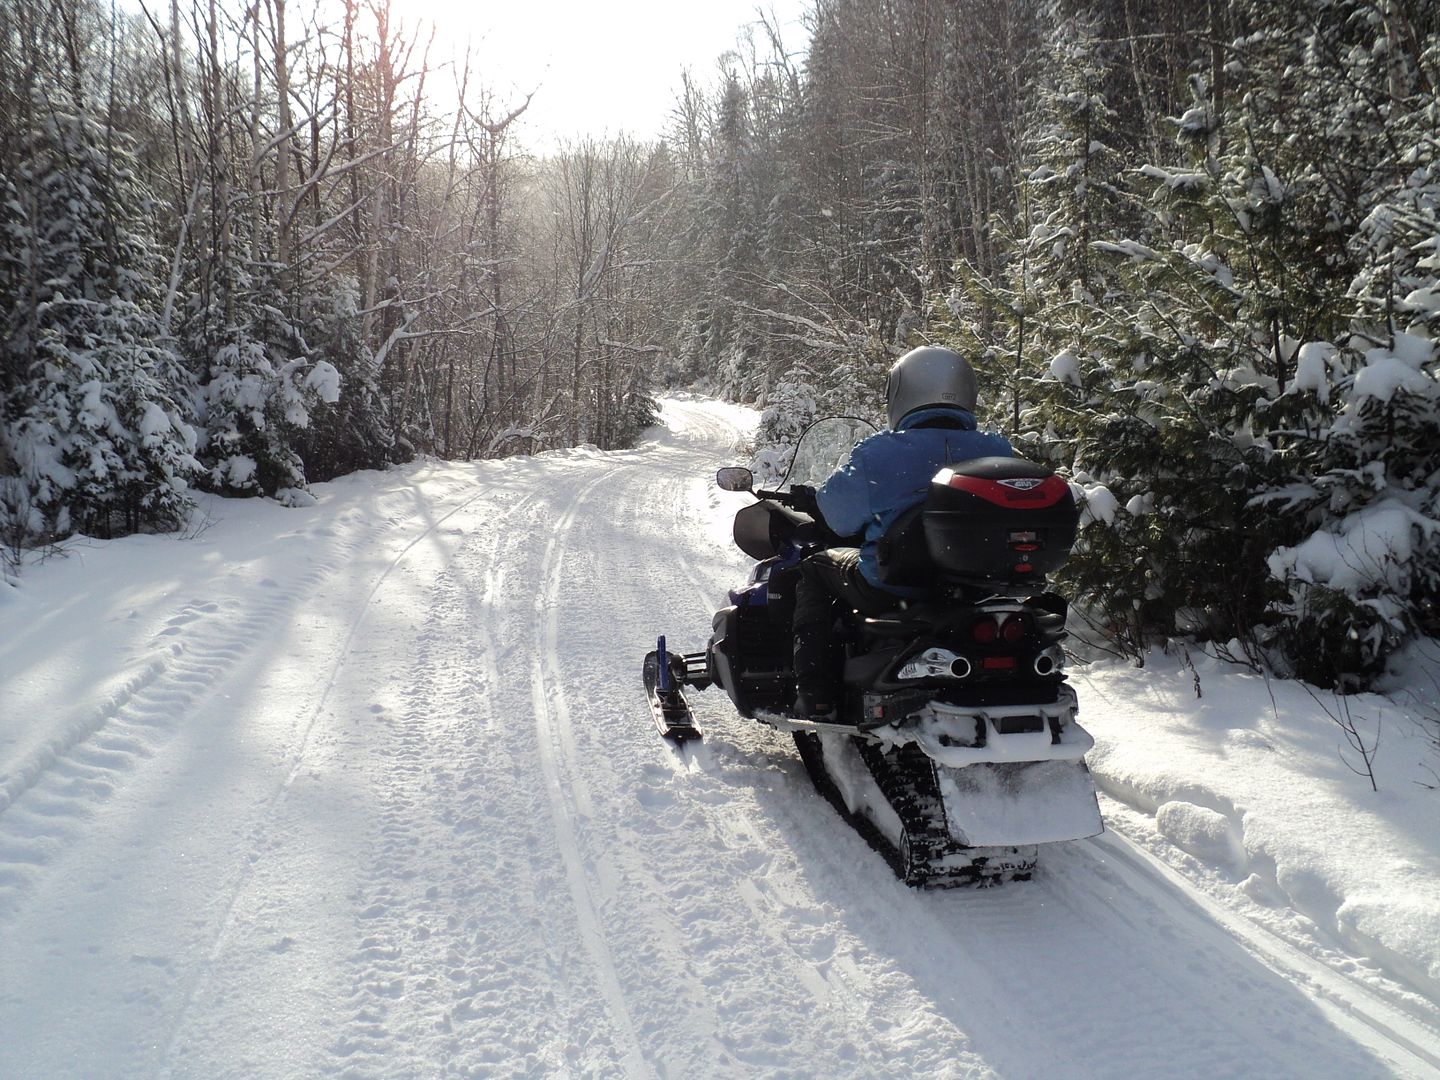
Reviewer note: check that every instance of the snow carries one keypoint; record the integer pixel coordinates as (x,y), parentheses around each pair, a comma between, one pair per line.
(1132,249)
(1065,368)
(1185,183)
(1097,502)
(1413,349)
(367,788)
(325,381)
(1385,375)
(1205,833)
(1423,300)
(1196,120)
(153,421)
(1312,369)
(237,471)
(1371,548)
(1254,780)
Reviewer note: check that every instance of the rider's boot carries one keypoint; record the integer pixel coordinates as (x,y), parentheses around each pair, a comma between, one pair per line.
(817,695)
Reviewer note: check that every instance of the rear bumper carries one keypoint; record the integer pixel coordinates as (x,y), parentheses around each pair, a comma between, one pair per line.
(956,736)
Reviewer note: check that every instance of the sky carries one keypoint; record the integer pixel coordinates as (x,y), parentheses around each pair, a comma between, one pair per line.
(597,68)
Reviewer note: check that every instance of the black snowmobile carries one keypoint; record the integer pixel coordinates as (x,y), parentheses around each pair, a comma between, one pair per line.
(956,751)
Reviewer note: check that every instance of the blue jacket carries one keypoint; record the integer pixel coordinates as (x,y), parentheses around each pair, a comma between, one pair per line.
(891,471)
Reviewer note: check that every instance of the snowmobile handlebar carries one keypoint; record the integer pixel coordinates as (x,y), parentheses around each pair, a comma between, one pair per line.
(784,498)
(798,497)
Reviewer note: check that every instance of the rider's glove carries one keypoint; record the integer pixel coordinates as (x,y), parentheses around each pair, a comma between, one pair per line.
(803,498)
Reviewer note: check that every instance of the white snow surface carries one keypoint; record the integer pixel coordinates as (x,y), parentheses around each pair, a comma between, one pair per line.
(1065,368)
(368,788)
(1312,369)
(1372,547)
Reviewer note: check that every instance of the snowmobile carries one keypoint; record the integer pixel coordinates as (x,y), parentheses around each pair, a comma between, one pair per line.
(955,752)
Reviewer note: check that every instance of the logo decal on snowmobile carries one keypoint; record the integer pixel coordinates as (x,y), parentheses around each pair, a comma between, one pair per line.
(1021,483)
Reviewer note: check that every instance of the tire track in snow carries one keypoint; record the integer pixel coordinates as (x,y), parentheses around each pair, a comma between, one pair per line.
(782,913)
(1082,969)
(569,799)
(776,907)
(47,801)
(260,831)
(814,973)
(422,987)
(46,807)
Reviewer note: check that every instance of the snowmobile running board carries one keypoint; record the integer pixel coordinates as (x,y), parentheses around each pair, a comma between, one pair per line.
(665,673)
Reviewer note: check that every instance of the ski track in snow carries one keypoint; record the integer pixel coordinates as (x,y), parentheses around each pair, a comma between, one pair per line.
(375,975)
(569,796)
(435,835)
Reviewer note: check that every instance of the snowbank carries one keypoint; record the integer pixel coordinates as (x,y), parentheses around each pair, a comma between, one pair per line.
(1256,783)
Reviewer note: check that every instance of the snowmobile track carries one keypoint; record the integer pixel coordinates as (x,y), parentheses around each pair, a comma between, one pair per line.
(567,793)
(458,851)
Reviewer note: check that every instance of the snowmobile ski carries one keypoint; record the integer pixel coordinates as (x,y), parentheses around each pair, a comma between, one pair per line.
(668,707)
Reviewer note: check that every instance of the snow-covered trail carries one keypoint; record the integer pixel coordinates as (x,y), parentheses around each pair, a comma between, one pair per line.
(376,794)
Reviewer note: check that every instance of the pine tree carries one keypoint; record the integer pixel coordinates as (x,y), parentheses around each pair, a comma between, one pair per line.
(1055,334)
(97,411)
(1365,577)
(258,384)
(1251,398)
(354,431)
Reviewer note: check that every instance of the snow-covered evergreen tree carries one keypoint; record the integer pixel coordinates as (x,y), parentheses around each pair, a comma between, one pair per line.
(258,383)
(1365,577)
(97,407)
(354,431)
(1055,339)
(1190,423)
(1249,401)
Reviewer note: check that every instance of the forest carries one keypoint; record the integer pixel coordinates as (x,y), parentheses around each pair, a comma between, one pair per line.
(1193,250)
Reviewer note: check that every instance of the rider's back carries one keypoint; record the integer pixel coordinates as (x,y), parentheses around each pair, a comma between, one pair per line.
(890,472)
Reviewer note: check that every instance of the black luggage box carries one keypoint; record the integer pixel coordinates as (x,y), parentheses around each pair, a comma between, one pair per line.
(999,519)
(990,521)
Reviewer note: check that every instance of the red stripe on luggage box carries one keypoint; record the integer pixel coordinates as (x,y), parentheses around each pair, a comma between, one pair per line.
(1047,492)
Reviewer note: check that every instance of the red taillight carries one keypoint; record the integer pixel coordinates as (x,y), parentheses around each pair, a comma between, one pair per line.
(1013,629)
(985,630)
(998,663)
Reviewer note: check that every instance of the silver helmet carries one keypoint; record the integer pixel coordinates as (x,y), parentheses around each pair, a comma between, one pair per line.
(929,376)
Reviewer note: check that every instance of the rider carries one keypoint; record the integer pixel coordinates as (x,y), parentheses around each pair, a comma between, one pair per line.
(930,400)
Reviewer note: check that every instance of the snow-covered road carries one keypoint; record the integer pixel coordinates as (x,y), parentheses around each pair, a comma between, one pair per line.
(369,789)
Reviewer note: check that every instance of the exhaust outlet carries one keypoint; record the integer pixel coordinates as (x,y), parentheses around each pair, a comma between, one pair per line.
(960,668)
(1047,663)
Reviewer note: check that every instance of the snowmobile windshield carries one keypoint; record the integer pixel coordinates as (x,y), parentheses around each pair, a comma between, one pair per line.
(824,447)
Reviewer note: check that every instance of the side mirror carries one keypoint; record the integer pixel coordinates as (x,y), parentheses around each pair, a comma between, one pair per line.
(735,478)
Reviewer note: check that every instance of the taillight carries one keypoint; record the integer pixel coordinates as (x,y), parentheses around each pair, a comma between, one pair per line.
(1013,629)
(985,630)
